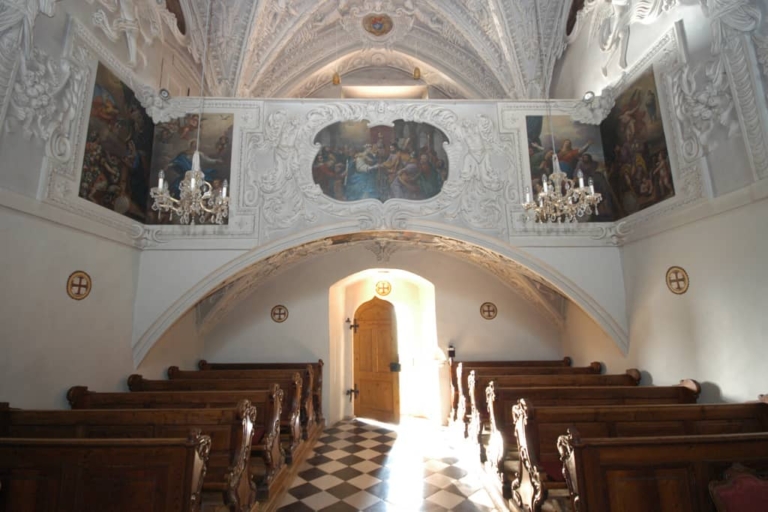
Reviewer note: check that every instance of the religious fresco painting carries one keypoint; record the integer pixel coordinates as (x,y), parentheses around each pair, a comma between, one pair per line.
(175,143)
(635,147)
(579,148)
(118,149)
(407,161)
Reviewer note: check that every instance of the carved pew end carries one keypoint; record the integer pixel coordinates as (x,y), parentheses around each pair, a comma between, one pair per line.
(635,374)
(202,364)
(692,385)
(596,366)
(76,394)
(173,371)
(134,382)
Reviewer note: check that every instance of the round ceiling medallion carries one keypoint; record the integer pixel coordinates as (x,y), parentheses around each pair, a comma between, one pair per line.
(378,24)
(488,310)
(279,313)
(677,280)
(383,288)
(79,285)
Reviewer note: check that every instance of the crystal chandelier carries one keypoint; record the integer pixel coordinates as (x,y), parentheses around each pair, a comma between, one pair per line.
(560,200)
(198,199)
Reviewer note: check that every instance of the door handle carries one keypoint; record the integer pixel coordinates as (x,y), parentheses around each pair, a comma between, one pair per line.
(353,393)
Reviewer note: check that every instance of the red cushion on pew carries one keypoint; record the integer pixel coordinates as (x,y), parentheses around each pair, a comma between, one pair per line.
(554,470)
(258,433)
(744,493)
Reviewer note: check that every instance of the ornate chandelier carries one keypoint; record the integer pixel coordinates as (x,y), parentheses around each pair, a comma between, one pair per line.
(560,200)
(198,199)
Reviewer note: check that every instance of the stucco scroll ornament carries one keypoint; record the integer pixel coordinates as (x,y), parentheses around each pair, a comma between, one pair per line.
(159,106)
(283,200)
(613,32)
(594,110)
(45,100)
(141,22)
(481,185)
(733,24)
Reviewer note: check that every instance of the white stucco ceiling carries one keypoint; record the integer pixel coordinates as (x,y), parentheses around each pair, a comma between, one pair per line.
(465,48)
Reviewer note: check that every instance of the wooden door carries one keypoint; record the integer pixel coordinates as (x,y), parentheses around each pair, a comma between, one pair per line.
(375,351)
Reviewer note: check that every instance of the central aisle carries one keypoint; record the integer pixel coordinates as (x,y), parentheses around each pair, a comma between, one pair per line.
(371,466)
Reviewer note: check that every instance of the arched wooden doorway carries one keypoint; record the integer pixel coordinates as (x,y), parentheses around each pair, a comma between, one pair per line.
(377,377)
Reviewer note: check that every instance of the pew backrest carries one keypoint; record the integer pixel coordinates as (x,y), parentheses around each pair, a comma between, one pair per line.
(120,475)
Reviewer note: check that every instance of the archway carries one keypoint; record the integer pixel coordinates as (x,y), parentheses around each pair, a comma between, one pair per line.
(421,359)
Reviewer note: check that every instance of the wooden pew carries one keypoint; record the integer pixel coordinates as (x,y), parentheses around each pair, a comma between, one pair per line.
(291,384)
(538,429)
(118,475)
(640,474)
(231,431)
(317,376)
(266,442)
(502,400)
(462,403)
(454,364)
(477,382)
(310,417)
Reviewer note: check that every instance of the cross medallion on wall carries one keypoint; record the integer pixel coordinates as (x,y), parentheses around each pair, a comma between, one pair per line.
(488,310)
(79,285)
(677,280)
(279,313)
(383,288)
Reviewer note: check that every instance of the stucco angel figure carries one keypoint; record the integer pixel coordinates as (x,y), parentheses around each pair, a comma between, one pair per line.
(18,17)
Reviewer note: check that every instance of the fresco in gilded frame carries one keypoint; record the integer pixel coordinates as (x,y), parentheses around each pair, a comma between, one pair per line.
(579,148)
(175,143)
(118,149)
(407,161)
(636,149)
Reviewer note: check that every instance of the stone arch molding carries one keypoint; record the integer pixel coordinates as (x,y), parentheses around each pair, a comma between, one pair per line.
(526,274)
(476,192)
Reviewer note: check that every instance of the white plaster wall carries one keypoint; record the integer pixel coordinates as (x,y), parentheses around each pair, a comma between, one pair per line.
(248,333)
(51,342)
(715,333)
(180,346)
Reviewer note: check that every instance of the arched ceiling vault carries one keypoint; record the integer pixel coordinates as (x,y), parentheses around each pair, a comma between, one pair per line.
(258,47)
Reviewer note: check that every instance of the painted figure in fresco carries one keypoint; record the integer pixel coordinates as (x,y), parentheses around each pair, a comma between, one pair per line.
(406,185)
(569,156)
(362,174)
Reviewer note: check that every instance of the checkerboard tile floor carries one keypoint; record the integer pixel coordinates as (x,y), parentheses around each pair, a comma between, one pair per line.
(359,465)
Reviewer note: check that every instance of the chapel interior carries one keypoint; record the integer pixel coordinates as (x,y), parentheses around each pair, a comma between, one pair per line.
(578,181)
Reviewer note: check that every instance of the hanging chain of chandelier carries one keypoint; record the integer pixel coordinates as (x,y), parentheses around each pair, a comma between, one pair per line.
(561,199)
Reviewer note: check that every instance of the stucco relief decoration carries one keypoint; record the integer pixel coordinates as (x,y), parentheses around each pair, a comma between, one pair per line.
(141,23)
(474,192)
(45,100)
(702,92)
(17,22)
(614,29)
(734,24)
(378,22)
(595,108)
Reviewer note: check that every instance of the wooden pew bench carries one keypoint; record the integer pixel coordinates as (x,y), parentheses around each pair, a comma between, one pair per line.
(502,400)
(118,475)
(453,365)
(463,369)
(310,417)
(269,460)
(317,376)
(230,431)
(477,384)
(292,411)
(538,429)
(660,473)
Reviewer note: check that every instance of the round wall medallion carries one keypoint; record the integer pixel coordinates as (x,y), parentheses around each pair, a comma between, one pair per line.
(383,288)
(378,24)
(677,280)
(488,310)
(279,313)
(79,285)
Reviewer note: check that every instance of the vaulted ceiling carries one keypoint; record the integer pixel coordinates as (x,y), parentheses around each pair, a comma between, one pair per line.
(473,49)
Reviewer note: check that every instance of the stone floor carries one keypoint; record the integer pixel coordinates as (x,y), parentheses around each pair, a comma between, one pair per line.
(365,465)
